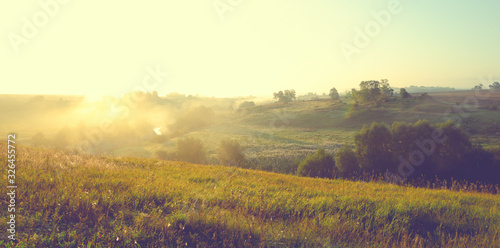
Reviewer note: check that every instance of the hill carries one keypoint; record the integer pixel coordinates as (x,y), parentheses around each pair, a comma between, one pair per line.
(274,135)
(68,200)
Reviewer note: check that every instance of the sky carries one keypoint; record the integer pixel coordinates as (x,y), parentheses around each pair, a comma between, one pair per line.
(226,48)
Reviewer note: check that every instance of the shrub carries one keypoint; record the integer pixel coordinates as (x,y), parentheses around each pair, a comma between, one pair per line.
(373,148)
(424,96)
(230,153)
(450,153)
(190,150)
(345,160)
(403,93)
(319,164)
(165,155)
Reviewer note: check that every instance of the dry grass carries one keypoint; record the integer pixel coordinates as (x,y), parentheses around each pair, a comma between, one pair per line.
(71,200)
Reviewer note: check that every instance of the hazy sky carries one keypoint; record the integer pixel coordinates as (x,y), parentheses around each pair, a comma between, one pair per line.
(243,47)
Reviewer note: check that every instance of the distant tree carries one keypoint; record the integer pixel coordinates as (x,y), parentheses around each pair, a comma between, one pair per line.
(403,93)
(478,87)
(373,91)
(334,94)
(319,164)
(287,96)
(495,86)
(385,90)
(345,160)
(190,150)
(230,153)
(278,95)
(290,94)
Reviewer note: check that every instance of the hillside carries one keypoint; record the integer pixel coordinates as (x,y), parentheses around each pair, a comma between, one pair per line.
(70,200)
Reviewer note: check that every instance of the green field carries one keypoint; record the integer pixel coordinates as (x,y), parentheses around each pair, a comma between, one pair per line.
(73,200)
(122,195)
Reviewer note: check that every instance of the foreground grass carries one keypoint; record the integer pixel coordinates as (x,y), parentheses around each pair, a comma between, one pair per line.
(68,200)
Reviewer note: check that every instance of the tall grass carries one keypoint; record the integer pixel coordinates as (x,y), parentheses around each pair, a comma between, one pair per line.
(72,200)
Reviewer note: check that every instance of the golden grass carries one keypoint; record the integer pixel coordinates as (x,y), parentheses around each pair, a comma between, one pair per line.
(72,200)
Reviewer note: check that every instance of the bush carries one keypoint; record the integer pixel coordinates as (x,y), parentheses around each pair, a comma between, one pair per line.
(373,148)
(162,154)
(319,164)
(345,160)
(443,150)
(190,150)
(403,93)
(230,153)
(424,96)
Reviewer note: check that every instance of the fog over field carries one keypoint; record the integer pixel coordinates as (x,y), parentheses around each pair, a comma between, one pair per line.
(234,123)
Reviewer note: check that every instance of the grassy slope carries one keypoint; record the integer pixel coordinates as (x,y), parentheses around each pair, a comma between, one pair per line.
(73,200)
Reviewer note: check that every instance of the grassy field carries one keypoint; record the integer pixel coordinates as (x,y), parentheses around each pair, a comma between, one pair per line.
(72,200)
(274,135)
(271,131)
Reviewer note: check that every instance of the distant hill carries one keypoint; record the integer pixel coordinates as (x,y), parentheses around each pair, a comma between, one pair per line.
(422,89)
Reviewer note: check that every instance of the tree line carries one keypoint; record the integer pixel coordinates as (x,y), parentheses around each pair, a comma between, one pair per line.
(409,150)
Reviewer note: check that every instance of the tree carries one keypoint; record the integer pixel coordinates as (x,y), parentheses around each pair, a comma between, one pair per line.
(414,139)
(374,148)
(403,93)
(449,154)
(190,150)
(478,87)
(334,94)
(319,164)
(287,96)
(290,94)
(495,86)
(373,91)
(278,95)
(230,153)
(345,160)
(385,90)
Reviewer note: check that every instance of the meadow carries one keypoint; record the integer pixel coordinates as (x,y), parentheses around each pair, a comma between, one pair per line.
(123,195)
(79,200)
